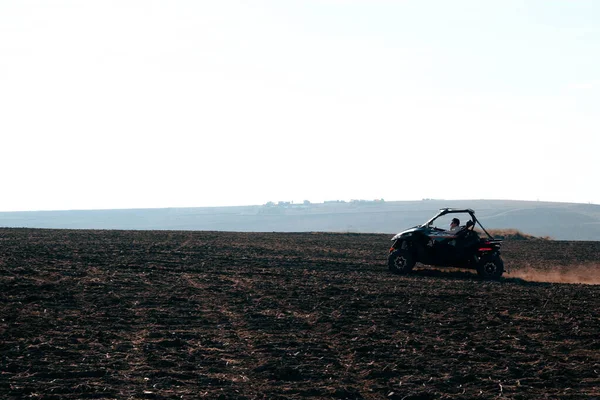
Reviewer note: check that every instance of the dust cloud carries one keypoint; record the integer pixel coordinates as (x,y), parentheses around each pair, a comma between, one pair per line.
(585,274)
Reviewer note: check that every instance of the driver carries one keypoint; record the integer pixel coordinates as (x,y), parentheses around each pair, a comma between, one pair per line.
(454,225)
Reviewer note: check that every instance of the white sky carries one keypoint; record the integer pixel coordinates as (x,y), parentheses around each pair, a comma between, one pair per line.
(131,104)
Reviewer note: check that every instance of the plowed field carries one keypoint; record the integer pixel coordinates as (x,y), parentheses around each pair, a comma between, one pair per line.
(170,315)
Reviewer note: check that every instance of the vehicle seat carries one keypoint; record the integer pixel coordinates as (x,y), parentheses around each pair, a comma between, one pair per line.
(469,236)
(464,229)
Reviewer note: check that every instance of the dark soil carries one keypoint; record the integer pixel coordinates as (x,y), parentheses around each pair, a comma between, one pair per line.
(153,315)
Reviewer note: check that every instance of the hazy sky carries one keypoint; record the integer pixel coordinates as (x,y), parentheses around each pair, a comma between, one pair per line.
(126,104)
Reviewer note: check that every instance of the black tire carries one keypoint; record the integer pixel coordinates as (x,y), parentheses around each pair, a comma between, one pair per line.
(401,262)
(490,267)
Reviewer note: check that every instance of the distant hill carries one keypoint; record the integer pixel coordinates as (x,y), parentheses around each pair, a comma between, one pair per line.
(561,221)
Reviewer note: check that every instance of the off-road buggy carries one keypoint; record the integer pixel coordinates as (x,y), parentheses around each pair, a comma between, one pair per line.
(460,248)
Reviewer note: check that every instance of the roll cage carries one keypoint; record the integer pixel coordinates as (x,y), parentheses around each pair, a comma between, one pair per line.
(444,211)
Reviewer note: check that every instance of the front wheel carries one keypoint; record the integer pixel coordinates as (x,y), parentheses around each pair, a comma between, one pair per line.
(490,267)
(401,261)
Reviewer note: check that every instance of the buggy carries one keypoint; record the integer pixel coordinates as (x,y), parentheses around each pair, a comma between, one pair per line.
(462,248)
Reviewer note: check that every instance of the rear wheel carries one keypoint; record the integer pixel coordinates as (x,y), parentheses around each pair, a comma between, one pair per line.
(401,261)
(490,267)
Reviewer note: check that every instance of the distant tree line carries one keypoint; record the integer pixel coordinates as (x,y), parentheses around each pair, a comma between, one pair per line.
(308,203)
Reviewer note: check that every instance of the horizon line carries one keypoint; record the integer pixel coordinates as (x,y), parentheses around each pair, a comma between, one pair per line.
(284,202)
